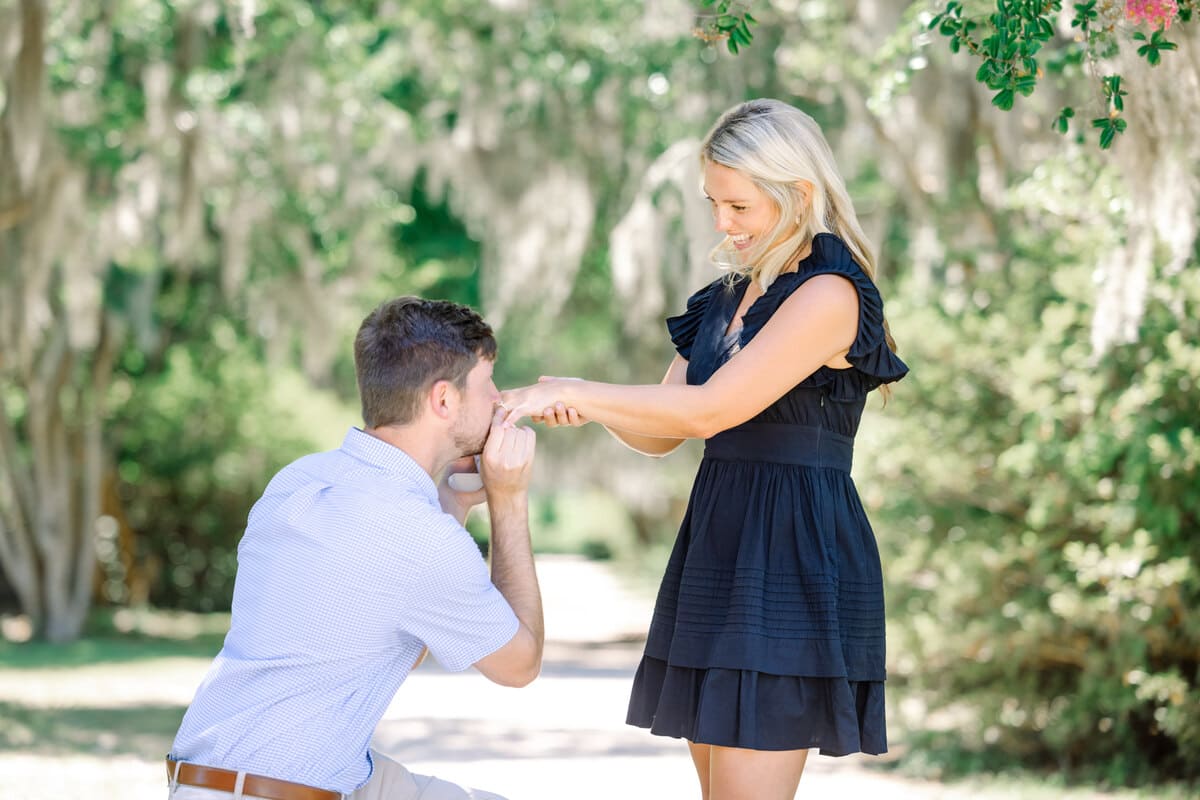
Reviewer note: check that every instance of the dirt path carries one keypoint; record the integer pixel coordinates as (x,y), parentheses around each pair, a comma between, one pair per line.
(100,730)
(564,735)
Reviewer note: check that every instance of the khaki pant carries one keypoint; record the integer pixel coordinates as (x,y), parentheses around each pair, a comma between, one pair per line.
(390,781)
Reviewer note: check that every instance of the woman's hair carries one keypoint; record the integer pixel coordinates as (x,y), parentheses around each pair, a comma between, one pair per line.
(406,345)
(777,146)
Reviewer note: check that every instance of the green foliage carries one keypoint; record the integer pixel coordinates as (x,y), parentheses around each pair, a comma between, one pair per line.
(1008,40)
(1044,606)
(1153,47)
(199,439)
(729,22)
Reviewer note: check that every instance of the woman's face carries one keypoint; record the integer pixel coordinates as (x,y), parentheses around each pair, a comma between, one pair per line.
(741,210)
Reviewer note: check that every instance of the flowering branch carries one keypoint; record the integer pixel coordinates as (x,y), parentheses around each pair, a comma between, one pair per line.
(730,21)
(1010,39)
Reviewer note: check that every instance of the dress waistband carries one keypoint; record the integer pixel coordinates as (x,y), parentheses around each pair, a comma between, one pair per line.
(806,445)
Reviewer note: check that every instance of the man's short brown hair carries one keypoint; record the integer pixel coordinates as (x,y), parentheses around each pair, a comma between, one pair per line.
(406,345)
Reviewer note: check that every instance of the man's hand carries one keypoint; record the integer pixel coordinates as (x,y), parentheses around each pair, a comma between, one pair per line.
(459,503)
(506,463)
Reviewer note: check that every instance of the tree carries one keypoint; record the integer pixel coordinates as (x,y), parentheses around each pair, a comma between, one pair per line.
(153,150)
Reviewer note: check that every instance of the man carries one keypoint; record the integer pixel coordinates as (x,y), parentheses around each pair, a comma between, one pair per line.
(355,563)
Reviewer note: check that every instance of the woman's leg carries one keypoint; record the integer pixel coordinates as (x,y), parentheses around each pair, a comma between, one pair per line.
(737,774)
(700,757)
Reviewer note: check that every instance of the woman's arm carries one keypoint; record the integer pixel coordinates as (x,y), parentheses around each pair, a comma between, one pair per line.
(816,324)
(656,446)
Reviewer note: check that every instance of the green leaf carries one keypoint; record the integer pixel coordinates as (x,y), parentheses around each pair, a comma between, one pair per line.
(1004,99)
(732,44)
(1106,137)
(1060,124)
(749,18)
(1068,112)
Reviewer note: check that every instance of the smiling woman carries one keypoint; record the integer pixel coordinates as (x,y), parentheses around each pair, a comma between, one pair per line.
(767,638)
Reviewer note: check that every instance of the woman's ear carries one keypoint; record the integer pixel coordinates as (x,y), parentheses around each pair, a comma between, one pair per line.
(804,189)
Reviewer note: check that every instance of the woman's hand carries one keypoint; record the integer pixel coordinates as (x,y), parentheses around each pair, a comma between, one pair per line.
(542,402)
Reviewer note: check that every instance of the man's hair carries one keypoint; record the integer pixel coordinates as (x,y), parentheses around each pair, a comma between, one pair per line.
(406,345)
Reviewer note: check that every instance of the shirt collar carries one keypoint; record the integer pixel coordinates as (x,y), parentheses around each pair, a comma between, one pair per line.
(389,458)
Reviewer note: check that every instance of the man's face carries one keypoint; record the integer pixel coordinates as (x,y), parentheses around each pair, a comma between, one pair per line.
(479,400)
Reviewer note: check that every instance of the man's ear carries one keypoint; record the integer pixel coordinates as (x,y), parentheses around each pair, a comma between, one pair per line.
(443,399)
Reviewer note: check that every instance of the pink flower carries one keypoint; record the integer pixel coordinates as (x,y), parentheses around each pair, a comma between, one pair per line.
(1155,13)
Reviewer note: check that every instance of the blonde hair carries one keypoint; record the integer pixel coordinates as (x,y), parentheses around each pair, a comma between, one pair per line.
(779,147)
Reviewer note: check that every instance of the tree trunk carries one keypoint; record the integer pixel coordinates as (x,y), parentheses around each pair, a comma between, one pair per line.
(51,453)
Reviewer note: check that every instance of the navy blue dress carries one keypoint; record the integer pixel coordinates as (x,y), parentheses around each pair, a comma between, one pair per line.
(768,632)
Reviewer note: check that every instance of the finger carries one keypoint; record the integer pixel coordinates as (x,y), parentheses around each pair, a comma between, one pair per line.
(527,443)
(573,417)
(492,447)
(464,464)
(531,444)
(508,445)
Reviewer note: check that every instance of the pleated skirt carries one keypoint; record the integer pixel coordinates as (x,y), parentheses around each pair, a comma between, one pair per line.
(768,631)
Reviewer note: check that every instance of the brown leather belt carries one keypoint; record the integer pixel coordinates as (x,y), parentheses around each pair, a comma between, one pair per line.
(254,786)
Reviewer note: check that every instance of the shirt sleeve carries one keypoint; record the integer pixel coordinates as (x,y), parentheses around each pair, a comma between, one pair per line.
(454,608)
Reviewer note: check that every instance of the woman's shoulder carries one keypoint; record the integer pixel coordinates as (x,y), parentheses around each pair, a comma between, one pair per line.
(830,253)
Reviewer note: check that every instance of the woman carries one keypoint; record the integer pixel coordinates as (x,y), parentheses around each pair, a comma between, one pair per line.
(768,635)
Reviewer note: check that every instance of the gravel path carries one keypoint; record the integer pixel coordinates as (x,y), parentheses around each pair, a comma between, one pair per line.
(561,737)
(564,735)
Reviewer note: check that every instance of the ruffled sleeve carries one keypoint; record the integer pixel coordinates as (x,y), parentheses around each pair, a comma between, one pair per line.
(873,360)
(684,327)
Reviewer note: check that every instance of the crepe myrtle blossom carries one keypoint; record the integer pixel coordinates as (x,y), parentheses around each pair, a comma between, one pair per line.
(1155,13)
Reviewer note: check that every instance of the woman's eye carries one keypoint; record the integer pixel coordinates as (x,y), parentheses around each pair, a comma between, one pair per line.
(739,209)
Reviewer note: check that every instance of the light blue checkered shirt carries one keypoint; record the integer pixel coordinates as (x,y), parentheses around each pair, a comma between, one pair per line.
(347,568)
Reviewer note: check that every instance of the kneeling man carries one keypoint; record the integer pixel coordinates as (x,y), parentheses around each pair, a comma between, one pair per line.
(355,563)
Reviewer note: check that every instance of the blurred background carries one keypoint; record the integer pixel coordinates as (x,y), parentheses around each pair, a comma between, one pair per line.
(200,200)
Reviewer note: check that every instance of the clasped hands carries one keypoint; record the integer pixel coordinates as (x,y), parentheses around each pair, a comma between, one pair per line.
(543,402)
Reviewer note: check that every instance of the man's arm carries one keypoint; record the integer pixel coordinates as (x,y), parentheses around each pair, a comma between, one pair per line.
(507,465)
